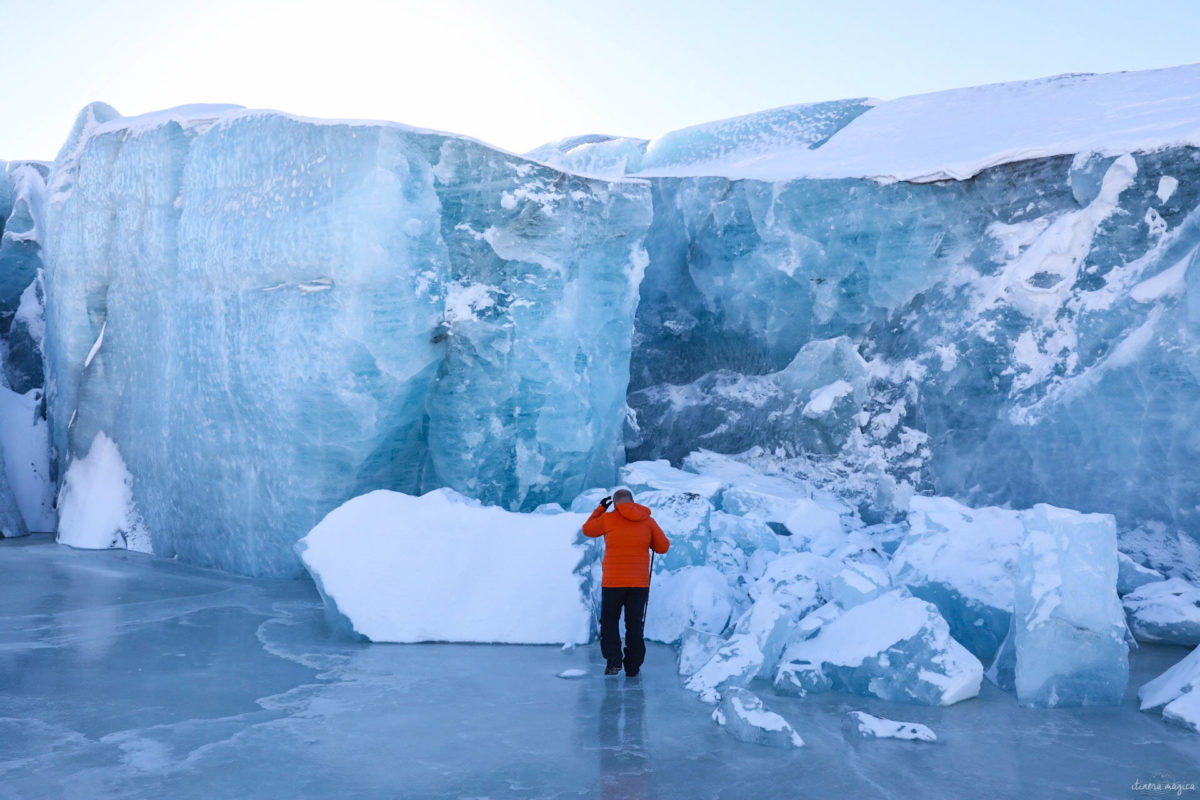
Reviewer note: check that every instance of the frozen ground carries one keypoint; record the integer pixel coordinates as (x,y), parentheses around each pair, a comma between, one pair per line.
(126,676)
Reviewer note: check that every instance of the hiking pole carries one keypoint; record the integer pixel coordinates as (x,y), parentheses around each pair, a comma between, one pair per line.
(649,579)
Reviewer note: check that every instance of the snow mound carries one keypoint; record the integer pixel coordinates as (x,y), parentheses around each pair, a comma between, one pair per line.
(96,508)
(443,568)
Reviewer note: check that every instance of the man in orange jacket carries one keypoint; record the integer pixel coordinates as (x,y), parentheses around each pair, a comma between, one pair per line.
(629,536)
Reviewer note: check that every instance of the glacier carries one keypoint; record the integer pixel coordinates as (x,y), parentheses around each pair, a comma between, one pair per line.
(909,383)
(269,315)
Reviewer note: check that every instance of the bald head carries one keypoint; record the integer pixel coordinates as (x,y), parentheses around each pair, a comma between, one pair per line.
(622,496)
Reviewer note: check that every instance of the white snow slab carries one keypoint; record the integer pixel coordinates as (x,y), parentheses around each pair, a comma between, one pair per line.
(1185,711)
(444,568)
(957,133)
(872,727)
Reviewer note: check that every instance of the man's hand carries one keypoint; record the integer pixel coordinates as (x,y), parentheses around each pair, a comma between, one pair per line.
(606,502)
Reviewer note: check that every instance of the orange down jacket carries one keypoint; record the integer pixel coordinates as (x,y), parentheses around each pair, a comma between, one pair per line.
(629,536)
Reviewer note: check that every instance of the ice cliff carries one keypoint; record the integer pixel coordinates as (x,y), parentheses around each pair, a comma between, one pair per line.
(984,293)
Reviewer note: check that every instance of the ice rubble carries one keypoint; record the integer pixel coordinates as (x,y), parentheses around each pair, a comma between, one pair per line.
(1176,693)
(1165,611)
(280,314)
(442,567)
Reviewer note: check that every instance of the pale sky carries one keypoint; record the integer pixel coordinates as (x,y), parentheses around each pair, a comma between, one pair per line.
(518,74)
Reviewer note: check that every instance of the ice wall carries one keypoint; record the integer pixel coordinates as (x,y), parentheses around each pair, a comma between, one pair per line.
(1022,336)
(269,315)
(26,492)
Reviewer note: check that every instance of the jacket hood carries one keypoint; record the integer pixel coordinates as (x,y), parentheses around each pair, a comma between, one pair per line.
(634,512)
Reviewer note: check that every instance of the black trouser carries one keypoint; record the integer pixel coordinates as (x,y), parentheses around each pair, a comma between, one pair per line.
(633,600)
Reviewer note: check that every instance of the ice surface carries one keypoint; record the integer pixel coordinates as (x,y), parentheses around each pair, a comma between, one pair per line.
(1165,611)
(895,647)
(744,717)
(1069,628)
(444,568)
(872,727)
(299,311)
(218,687)
(964,561)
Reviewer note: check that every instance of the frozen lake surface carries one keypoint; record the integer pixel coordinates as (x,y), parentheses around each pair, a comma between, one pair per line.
(127,676)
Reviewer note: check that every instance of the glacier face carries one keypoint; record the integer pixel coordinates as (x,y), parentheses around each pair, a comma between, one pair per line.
(270,315)
(1023,336)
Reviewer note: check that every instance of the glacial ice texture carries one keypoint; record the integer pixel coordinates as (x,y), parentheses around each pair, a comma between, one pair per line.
(269,316)
(1023,336)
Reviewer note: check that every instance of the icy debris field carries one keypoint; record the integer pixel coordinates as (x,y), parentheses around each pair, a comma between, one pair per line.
(126,676)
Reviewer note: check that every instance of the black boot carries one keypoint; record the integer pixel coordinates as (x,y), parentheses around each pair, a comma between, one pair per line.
(612,669)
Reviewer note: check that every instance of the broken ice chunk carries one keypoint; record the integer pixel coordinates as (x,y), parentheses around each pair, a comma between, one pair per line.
(1179,680)
(895,647)
(744,717)
(692,597)
(1132,575)
(872,727)
(1165,611)
(1184,711)
(696,647)
(964,561)
(1069,629)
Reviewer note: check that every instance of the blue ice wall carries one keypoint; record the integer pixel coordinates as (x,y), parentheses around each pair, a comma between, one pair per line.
(271,315)
(1028,335)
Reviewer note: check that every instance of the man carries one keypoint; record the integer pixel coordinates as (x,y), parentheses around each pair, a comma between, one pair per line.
(629,536)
